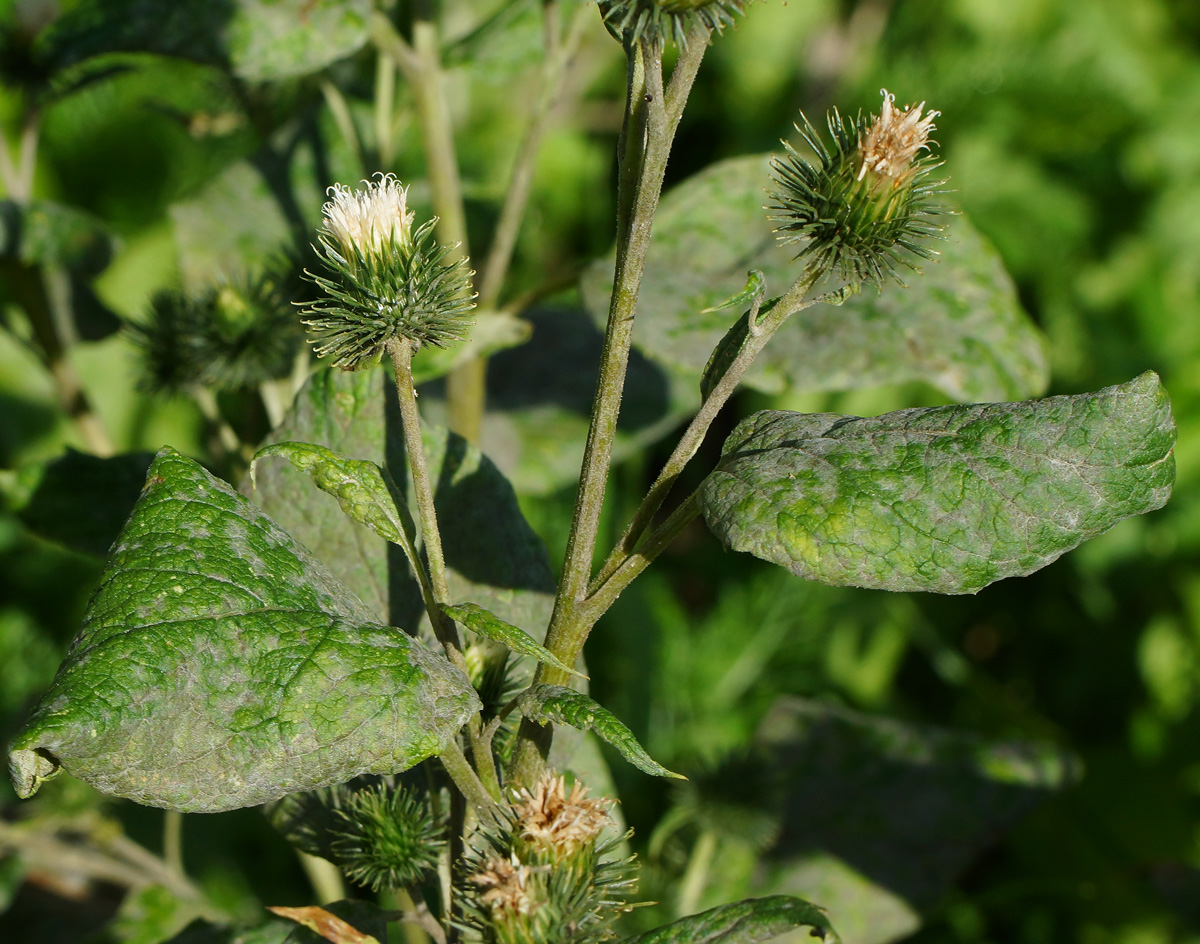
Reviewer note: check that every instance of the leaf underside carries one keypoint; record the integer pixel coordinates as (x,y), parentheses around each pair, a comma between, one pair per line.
(220,666)
(947,499)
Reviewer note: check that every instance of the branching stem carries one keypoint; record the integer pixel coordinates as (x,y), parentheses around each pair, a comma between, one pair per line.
(652,115)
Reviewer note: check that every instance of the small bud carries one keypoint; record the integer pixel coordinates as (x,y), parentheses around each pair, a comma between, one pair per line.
(864,207)
(669,19)
(383,280)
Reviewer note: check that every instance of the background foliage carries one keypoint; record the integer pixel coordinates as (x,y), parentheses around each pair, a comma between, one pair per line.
(1068,131)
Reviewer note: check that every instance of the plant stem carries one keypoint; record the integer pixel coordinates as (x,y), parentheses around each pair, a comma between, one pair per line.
(343,119)
(324,877)
(651,119)
(558,58)
(173,842)
(468,783)
(385,99)
(400,350)
(697,429)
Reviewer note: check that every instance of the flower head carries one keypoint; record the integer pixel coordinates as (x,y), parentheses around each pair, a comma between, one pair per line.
(894,138)
(550,817)
(866,205)
(372,220)
(382,279)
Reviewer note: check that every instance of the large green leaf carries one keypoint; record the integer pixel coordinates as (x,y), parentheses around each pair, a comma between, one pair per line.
(493,556)
(279,39)
(879,817)
(958,326)
(219,666)
(948,499)
(743,922)
(259,39)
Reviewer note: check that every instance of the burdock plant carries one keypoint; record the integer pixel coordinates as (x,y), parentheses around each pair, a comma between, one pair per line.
(222,665)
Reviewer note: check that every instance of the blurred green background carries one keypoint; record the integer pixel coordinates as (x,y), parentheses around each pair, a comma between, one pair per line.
(1069,133)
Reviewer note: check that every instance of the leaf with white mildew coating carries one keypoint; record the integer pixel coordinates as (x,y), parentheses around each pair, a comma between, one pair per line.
(219,666)
(947,499)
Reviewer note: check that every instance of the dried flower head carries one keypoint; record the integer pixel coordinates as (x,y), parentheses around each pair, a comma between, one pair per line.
(549,816)
(866,205)
(669,19)
(383,279)
(894,139)
(506,881)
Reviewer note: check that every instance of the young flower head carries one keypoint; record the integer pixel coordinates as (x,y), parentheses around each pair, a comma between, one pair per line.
(383,280)
(670,19)
(863,208)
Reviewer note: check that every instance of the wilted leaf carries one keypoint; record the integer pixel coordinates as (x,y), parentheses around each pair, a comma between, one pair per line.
(947,499)
(220,666)
(554,704)
(325,923)
(493,556)
(480,621)
(743,922)
(958,326)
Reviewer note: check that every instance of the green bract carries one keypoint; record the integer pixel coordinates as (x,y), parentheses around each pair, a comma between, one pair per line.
(670,19)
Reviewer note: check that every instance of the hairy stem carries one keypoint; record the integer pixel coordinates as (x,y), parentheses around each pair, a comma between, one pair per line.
(693,436)
(651,118)
(336,103)
(400,350)
(385,103)
(468,783)
(173,842)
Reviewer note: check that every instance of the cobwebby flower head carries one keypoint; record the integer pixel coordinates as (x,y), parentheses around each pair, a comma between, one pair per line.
(371,220)
(866,205)
(382,279)
(667,19)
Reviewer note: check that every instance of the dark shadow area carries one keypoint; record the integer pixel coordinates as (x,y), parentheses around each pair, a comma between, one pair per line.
(906,806)
(559,366)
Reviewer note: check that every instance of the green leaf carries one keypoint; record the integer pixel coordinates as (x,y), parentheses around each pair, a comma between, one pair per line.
(958,326)
(947,499)
(743,922)
(45,233)
(80,500)
(220,666)
(492,554)
(554,704)
(880,817)
(271,40)
(493,331)
(480,621)
(362,489)
(260,40)
(232,225)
